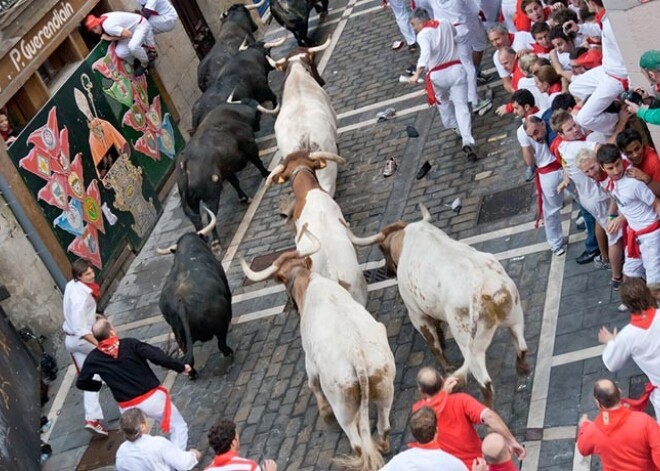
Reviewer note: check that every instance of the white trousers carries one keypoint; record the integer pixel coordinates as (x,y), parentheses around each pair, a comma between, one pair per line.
(552,202)
(602,90)
(467,41)
(79,349)
(649,246)
(161,24)
(599,209)
(508,11)
(450,86)
(491,9)
(400,11)
(154,406)
(132,47)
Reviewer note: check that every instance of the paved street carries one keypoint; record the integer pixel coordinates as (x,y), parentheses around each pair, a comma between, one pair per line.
(264,389)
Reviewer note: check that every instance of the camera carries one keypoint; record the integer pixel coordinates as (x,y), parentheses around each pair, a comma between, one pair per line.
(632,96)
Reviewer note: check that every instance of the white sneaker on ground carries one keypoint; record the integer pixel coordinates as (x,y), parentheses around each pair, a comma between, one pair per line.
(559,252)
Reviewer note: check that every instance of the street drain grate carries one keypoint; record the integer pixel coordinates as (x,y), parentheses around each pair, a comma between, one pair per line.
(101,451)
(375,275)
(506,203)
(263,261)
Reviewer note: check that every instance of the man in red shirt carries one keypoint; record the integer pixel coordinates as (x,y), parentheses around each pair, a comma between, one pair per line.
(224,440)
(625,440)
(457,414)
(497,455)
(646,164)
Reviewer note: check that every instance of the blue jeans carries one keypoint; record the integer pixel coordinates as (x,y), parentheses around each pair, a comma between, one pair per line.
(590,244)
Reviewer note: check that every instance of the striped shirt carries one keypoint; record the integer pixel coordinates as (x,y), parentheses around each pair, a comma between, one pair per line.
(230,461)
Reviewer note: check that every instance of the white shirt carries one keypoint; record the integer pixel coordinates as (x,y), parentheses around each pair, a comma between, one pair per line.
(521,40)
(149,453)
(419,459)
(586,187)
(635,201)
(643,346)
(162,7)
(613,62)
(457,12)
(564,59)
(542,155)
(437,45)
(79,309)
(540,99)
(117,21)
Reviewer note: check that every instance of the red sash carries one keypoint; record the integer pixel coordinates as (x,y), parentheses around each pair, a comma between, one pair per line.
(167,411)
(632,244)
(430,93)
(552,167)
(555,88)
(624,81)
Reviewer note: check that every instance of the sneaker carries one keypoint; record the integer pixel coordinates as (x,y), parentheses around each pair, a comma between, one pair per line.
(423,170)
(529,173)
(477,108)
(411,70)
(599,264)
(397,45)
(587,257)
(390,168)
(559,252)
(470,154)
(95,426)
(580,224)
(616,284)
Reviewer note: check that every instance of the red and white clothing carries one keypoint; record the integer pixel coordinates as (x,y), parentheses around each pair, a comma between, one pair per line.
(446,79)
(456,414)
(508,12)
(609,84)
(625,440)
(115,22)
(427,457)
(402,18)
(163,16)
(639,340)
(506,466)
(230,461)
(540,98)
(79,309)
(149,453)
(548,177)
(519,41)
(650,164)
(635,202)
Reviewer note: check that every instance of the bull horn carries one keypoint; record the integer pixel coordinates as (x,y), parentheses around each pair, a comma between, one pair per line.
(327,156)
(207,230)
(320,48)
(230,98)
(426,215)
(265,110)
(276,171)
(362,241)
(243,45)
(257,275)
(316,244)
(276,43)
(275,64)
(254,6)
(168,251)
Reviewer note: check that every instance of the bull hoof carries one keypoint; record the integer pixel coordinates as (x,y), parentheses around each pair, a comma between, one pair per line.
(228,352)
(193,375)
(522,368)
(383,444)
(328,416)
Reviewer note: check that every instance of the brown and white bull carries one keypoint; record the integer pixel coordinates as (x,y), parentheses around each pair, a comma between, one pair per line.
(337,258)
(347,356)
(441,279)
(306,120)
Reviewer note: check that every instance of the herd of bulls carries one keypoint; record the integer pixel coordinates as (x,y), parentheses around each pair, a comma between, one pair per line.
(348,359)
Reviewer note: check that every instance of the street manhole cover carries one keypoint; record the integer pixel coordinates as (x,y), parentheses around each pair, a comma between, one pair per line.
(506,203)
(263,261)
(101,451)
(375,275)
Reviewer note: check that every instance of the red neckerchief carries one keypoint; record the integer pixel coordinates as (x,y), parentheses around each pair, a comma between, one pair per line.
(431,24)
(555,88)
(609,420)
(512,37)
(590,59)
(96,289)
(602,177)
(644,319)
(611,183)
(599,18)
(432,445)
(506,466)
(110,346)
(223,459)
(642,401)
(532,110)
(554,149)
(436,402)
(538,49)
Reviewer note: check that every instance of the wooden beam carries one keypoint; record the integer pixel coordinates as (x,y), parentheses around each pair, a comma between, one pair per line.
(32,96)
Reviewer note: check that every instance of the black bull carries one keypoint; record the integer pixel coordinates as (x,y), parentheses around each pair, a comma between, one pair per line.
(294,16)
(196,299)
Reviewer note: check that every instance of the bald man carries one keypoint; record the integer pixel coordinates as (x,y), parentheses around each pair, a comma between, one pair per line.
(497,455)
(625,440)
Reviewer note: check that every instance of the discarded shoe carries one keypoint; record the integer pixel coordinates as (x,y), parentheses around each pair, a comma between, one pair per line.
(396,45)
(411,70)
(386,114)
(470,154)
(411,131)
(390,167)
(423,170)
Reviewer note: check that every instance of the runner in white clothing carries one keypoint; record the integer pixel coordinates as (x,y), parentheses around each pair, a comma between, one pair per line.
(161,16)
(639,340)
(145,452)
(131,32)
(401,15)
(425,454)
(446,81)
(500,39)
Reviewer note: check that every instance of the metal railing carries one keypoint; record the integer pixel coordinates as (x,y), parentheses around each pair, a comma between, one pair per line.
(6,5)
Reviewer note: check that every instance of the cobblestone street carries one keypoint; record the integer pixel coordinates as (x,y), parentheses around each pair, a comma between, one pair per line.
(264,389)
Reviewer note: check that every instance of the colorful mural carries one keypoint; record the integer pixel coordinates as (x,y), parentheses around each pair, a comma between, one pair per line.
(95,156)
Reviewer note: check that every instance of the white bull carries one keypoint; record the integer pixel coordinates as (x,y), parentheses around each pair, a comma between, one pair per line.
(441,279)
(337,259)
(347,356)
(306,120)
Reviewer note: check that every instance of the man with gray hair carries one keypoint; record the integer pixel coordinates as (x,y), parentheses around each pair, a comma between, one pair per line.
(147,452)
(446,80)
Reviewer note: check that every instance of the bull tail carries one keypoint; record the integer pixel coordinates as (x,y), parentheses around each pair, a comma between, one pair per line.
(516,326)
(184,319)
(367,457)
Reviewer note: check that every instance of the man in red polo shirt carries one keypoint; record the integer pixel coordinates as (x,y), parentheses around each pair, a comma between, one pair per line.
(497,455)
(625,440)
(457,414)
(645,161)
(224,440)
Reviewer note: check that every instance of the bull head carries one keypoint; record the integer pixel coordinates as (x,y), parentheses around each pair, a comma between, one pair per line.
(303,56)
(296,161)
(204,232)
(266,45)
(261,109)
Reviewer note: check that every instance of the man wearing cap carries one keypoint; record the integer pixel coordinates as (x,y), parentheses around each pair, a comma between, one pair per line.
(131,31)
(650,65)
